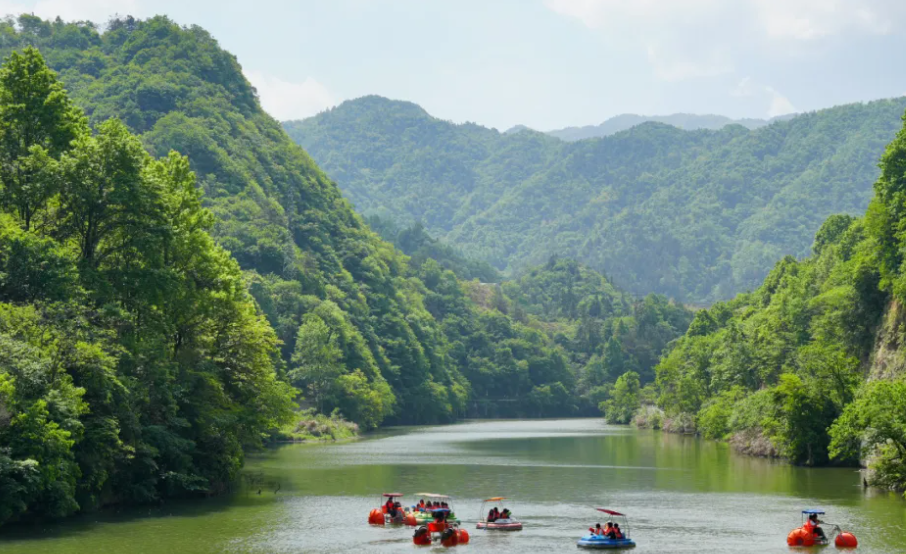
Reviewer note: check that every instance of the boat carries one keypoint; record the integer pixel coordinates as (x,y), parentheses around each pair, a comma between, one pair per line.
(593,541)
(804,537)
(440,530)
(500,524)
(379,516)
(423,516)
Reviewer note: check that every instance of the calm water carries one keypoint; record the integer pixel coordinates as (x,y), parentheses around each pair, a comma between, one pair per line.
(683,495)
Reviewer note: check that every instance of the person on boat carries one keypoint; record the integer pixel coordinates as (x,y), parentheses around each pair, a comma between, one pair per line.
(421,505)
(607,530)
(505,514)
(491,518)
(388,506)
(617,534)
(597,530)
(812,525)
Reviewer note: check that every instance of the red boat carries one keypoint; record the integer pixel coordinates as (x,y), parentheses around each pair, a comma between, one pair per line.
(382,516)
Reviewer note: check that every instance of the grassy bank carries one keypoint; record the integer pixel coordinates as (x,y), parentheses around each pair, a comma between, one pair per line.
(312,427)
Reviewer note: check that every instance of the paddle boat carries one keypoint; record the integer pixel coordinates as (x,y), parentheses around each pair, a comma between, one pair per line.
(381,516)
(439,530)
(600,542)
(806,537)
(501,523)
(423,516)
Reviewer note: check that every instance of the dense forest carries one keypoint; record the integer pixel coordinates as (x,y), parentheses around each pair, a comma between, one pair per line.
(552,343)
(177,277)
(810,365)
(695,215)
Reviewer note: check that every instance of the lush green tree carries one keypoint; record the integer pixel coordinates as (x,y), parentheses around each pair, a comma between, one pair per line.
(316,360)
(624,399)
(38,123)
(874,427)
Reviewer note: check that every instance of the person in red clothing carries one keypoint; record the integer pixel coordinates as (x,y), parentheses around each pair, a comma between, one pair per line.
(812,525)
(617,534)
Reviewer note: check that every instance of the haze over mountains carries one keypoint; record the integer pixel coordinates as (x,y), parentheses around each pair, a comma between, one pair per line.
(698,215)
(689,122)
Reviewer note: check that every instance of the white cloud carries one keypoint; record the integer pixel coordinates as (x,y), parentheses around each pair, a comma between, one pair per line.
(777,103)
(285,100)
(696,38)
(98,11)
(813,19)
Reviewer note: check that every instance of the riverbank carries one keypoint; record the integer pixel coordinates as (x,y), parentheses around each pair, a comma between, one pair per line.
(749,442)
(312,427)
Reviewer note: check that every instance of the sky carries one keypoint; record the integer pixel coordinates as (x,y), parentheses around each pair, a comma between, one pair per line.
(547,64)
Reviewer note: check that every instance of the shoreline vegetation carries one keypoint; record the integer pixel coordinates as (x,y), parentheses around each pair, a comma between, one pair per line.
(311,427)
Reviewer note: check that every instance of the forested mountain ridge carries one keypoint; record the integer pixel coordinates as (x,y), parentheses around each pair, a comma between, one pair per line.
(696,215)
(688,122)
(809,365)
(134,364)
(314,267)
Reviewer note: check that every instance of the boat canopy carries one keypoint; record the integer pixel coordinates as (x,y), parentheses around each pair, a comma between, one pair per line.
(611,512)
(432,495)
(495,499)
(814,511)
(392,494)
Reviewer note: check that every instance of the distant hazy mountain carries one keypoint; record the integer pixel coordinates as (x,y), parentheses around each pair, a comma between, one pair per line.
(698,215)
(686,121)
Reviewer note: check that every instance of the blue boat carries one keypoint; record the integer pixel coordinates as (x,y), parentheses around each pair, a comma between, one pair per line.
(594,541)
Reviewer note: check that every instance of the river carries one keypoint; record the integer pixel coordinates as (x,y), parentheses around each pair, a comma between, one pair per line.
(683,494)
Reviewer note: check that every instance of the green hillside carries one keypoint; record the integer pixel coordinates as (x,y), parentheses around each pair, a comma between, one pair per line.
(810,365)
(695,215)
(175,273)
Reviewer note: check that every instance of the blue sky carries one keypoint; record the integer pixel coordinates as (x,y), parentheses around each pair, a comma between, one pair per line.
(546,63)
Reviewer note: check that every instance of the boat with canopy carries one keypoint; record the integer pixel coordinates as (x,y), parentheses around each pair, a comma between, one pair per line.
(504,522)
(595,541)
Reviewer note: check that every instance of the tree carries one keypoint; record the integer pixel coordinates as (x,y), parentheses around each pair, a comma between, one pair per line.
(873,426)
(106,202)
(316,360)
(38,123)
(624,399)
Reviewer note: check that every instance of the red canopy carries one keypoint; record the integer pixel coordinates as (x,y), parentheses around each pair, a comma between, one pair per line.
(609,512)
(393,494)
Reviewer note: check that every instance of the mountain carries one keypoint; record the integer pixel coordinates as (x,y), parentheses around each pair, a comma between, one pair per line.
(156,309)
(688,122)
(175,273)
(810,365)
(695,215)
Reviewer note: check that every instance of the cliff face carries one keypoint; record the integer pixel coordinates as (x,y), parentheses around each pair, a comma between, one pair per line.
(888,361)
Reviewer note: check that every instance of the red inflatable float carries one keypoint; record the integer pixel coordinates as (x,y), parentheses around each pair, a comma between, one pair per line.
(846,540)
